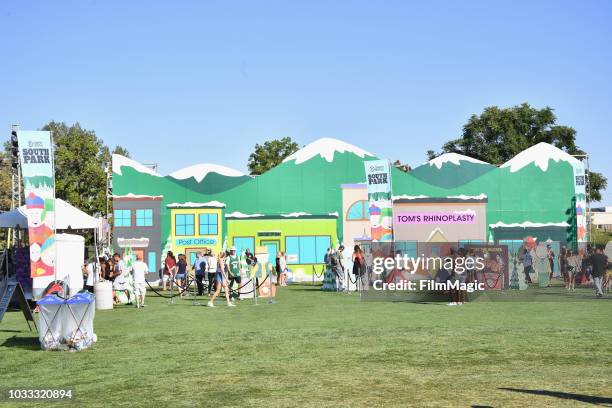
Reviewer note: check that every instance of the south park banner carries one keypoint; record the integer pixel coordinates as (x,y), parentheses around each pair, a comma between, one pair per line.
(36,157)
(580,190)
(378,179)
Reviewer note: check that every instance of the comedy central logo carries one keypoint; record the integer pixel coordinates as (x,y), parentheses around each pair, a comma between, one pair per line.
(374,168)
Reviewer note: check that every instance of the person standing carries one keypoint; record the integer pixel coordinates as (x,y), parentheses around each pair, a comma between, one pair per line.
(120,283)
(139,271)
(599,265)
(527,264)
(282,262)
(551,261)
(233,266)
(91,273)
(221,282)
(200,269)
(573,264)
(359,266)
(338,267)
(169,269)
(211,269)
(181,275)
(563,255)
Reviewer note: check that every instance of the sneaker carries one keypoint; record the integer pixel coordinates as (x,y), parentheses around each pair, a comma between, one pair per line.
(210,304)
(452,304)
(231,305)
(271,302)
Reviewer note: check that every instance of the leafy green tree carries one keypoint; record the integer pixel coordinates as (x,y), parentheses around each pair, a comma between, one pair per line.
(5,181)
(270,154)
(499,134)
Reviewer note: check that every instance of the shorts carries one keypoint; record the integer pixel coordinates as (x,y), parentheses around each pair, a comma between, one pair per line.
(237,279)
(180,276)
(166,278)
(140,289)
(219,277)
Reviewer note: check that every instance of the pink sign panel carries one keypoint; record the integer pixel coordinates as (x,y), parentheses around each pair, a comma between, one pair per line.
(443,217)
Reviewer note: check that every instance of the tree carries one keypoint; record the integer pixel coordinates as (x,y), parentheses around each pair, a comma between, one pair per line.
(270,154)
(121,150)
(5,181)
(497,135)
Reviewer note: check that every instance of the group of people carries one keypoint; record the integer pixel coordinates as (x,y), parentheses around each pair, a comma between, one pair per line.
(585,267)
(219,271)
(128,282)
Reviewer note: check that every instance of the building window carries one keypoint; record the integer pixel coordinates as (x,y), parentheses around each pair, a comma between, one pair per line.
(208,224)
(408,248)
(123,218)
(359,211)
(144,218)
(152,262)
(184,224)
(307,250)
(242,243)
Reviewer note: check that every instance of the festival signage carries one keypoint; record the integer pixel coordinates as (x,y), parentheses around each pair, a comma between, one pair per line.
(378,179)
(191,241)
(580,191)
(36,156)
(444,217)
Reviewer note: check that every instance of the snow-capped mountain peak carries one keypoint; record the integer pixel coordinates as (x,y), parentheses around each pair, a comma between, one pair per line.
(325,147)
(539,155)
(199,171)
(454,158)
(122,161)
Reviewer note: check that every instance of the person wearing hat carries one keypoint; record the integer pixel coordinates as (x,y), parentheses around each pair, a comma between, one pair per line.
(234,268)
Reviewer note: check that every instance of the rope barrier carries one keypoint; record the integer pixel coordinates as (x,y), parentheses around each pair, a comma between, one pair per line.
(231,290)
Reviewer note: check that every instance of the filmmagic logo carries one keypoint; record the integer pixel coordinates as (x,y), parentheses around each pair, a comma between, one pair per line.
(457,265)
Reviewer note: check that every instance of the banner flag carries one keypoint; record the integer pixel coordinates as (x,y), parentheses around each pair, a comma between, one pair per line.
(378,179)
(581,205)
(36,157)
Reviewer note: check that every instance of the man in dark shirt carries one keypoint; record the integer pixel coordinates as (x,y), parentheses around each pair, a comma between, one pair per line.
(599,264)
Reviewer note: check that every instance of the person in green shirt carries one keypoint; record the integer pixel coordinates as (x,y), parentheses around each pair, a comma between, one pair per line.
(234,268)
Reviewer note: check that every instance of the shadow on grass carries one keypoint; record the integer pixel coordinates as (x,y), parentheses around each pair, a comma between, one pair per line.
(26,343)
(566,395)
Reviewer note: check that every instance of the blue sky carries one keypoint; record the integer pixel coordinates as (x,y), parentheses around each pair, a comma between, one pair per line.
(181,82)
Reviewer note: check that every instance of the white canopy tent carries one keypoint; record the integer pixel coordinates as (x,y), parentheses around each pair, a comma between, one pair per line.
(66,217)
(69,248)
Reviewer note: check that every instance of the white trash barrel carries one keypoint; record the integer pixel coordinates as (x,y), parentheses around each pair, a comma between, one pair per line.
(104,295)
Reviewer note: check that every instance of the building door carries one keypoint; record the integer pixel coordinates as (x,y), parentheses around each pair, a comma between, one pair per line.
(273,247)
(191,254)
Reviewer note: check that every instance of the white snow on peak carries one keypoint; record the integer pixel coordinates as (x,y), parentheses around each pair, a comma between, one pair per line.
(238,214)
(132,195)
(199,171)
(408,197)
(480,196)
(122,161)
(295,214)
(539,155)
(325,147)
(454,158)
(190,204)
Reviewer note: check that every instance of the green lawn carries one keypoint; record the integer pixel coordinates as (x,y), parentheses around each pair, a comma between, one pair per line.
(318,349)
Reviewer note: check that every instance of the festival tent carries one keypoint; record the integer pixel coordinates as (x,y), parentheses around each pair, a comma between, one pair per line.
(66,217)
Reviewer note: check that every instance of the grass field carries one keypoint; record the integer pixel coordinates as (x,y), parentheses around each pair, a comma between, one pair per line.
(316,349)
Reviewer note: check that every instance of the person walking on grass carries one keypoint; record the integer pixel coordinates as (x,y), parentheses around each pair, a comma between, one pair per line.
(169,269)
(599,265)
(221,282)
(200,269)
(234,266)
(139,271)
(211,271)
(181,274)
(573,266)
